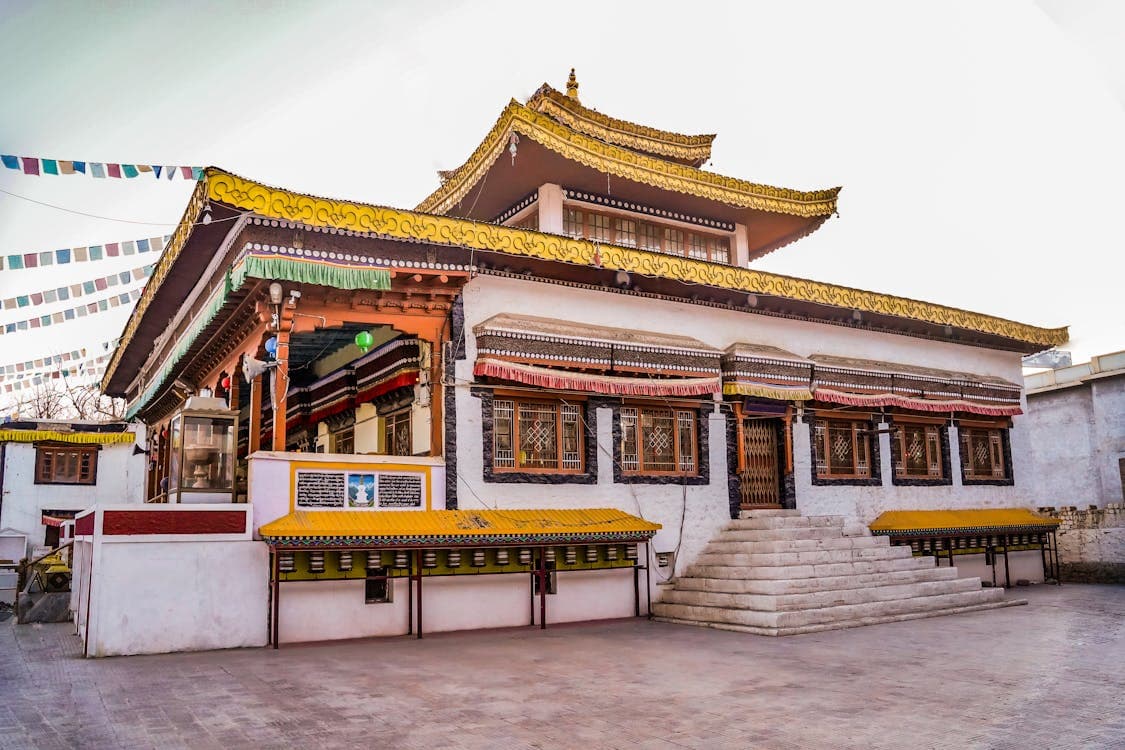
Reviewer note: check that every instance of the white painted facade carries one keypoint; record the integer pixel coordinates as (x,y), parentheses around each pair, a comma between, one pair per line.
(120,479)
(707,506)
(159,593)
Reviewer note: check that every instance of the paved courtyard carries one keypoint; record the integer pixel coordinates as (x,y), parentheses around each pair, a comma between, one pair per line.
(1048,675)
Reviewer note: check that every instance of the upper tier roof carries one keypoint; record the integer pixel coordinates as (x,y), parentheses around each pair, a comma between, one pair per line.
(694,150)
(558,140)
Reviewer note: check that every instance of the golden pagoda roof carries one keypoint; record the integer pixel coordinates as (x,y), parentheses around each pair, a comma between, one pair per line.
(970,520)
(603,154)
(411,528)
(566,109)
(274,203)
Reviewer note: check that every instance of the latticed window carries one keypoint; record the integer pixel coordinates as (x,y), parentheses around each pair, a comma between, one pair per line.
(843,449)
(697,246)
(599,227)
(396,434)
(573,223)
(625,232)
(69,464)
(674,241)
(982,453)
(720,249)
(343,441)
(536,436)
(658,441)
(916,451)
(649,236)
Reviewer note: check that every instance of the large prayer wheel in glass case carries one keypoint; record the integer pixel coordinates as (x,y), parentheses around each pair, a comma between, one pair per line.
(201,464)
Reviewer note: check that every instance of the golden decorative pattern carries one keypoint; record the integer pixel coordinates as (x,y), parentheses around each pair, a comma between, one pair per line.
(624,163)
(696,148)
(322,212)
(167,259)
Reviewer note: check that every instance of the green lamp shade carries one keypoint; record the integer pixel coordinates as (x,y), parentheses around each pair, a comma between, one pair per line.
(364,341)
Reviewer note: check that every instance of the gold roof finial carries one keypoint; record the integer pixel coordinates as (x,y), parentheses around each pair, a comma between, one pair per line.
(572,86)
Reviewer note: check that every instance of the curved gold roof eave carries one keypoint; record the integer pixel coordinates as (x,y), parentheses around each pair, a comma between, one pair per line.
(695,149)
(251,197)
(624,163)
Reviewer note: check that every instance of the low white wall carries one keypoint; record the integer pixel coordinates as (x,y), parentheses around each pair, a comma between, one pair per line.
(158,597)
(1022,564)
(334,610)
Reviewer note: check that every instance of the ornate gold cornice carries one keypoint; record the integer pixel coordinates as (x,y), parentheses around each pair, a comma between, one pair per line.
(159,273)
(621,162)
(567,110)
(322,212)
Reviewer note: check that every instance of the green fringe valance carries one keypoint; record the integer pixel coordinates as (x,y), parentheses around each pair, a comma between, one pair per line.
(319,271)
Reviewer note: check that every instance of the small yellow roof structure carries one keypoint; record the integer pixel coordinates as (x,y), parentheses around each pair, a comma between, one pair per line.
(974,520)
(393,528)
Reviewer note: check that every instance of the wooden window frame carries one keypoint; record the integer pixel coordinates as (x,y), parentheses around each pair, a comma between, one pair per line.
(996,453)
(898,449)
(344,433)
(392,420)
(716,247)
(558,406)
(677,412)
(41,457)
(860,432)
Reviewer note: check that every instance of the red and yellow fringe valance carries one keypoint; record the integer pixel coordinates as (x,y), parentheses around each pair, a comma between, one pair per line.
(935,405)
(544,377)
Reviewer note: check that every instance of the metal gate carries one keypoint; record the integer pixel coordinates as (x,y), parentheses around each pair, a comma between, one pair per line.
(759,482)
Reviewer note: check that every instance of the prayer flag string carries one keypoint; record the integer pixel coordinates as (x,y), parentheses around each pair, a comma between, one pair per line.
(39,166)
(67,255)
(77,289)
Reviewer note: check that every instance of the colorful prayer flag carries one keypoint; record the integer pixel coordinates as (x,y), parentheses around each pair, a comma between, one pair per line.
(197,173)
(11,162)
(30,165)
(63,256)
(186,172)
(113,170)
(50,166)
(169,172)
(144,167)
(66,167)
(157,169)
(129,170)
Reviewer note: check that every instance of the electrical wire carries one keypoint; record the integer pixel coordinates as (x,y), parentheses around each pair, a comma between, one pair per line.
(111,218)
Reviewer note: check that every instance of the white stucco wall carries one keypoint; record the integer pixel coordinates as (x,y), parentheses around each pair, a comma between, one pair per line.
(1076,441)
(334,610)
(707,508)
(120,479)
(158,597)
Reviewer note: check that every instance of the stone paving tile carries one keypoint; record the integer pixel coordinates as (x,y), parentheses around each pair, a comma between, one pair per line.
(1046,675)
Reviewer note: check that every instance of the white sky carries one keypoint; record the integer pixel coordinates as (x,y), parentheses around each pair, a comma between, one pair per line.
(979,144)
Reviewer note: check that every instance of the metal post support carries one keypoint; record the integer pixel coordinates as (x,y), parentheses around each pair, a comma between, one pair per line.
(418,564)
(275,596)
(409,603)
(542,589)
(1007,571)
(636,589)
(648,584)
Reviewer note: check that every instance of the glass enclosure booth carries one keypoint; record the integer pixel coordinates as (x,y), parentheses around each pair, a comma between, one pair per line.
(201,464)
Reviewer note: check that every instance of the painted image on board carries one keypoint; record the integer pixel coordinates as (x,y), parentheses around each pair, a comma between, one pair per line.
(361,490)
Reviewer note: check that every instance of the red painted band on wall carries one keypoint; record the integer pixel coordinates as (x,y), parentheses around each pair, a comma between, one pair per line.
(84,526)
(130,522)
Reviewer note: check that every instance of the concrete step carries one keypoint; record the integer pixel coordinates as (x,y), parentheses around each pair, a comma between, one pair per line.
(799,533)
(819,599)
(785,522)
(842,624)
(811,557)
(810,585)
(863,567)
(833,615)
(770,513)
(797,545)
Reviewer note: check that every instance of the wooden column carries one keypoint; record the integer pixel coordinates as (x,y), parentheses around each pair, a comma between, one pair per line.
(280,386)
(255,430)
(233,392)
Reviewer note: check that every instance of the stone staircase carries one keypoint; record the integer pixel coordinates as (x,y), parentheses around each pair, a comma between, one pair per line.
(776,572)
